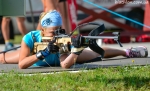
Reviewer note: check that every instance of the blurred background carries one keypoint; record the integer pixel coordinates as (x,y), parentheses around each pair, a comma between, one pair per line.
(82,12)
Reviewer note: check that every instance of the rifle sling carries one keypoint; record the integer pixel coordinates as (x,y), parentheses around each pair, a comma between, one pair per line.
(97,31)
(93,45)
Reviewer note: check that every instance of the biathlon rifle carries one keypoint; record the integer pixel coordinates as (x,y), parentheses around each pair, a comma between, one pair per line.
(63,41)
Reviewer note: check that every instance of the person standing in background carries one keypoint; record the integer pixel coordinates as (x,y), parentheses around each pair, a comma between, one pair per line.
(63,9)
(61,6)
(6,30)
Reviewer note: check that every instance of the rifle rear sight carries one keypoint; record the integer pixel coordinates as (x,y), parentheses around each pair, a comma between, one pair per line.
(59,31)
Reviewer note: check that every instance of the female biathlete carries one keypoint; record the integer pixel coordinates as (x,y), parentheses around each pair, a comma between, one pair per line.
(51,21)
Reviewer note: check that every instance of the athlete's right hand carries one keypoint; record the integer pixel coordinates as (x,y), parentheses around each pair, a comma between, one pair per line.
(51,48)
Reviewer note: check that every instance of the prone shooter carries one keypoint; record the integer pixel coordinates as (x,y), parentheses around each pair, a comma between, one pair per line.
(63,41)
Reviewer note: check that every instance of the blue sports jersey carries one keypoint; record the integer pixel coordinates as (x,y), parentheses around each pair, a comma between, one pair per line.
(52,59)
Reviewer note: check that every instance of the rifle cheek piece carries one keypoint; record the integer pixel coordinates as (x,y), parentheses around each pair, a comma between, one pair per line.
(39,55)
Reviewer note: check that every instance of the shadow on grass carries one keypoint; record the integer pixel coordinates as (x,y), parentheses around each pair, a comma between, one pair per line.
(133,81)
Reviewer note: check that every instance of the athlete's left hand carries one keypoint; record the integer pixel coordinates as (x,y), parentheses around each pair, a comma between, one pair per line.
(77,42)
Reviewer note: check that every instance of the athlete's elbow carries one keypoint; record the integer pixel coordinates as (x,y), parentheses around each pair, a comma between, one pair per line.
(21,66)
(65,66)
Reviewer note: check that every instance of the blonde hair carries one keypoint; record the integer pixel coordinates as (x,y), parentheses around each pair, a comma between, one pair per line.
(40,18)
(42,15)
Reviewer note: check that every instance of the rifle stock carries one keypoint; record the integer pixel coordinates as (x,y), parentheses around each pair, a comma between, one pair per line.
(64,43)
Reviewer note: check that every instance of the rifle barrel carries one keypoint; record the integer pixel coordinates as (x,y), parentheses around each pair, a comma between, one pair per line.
(101,37)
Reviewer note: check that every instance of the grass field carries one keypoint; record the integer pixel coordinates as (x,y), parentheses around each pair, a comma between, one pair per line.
(131,78)
(17,39)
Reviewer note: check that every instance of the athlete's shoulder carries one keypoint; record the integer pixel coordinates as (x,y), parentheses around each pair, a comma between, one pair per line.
(32,37)
(35,32)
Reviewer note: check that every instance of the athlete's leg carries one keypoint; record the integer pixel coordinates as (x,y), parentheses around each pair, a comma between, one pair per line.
(63,9)
(11,57)
(113,52)
(6,32)
(88,54)
(5,28)
(21,25)
(50,5)
(139,51)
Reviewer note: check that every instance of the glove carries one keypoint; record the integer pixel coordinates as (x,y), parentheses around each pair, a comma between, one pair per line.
(51,48)
(77,42)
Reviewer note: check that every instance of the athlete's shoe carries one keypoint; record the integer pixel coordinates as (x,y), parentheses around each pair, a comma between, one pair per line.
(8,46)
(138,52)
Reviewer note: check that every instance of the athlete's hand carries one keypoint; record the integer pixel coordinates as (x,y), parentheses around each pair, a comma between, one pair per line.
(51,48)
(77,42)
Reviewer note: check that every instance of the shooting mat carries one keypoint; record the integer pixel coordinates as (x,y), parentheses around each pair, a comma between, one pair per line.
(113,62)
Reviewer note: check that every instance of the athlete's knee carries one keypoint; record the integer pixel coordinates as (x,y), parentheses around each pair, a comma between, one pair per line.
(6,19)
(20,19)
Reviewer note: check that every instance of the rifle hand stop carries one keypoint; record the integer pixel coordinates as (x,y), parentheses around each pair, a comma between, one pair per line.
(117,34)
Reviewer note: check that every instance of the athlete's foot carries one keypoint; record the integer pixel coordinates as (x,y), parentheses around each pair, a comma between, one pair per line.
(138,52)
(8,46)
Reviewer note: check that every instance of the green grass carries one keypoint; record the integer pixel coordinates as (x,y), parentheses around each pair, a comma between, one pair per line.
(17,39)
(131,78)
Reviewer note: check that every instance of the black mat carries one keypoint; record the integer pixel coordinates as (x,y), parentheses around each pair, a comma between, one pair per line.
(113,62)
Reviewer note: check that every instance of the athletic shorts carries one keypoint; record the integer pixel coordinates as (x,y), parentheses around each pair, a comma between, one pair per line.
(62,0)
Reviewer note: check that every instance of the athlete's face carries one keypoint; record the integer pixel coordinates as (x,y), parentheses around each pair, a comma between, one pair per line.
(49,32)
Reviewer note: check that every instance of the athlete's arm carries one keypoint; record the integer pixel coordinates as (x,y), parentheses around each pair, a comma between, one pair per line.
(68,61)
(25,60)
